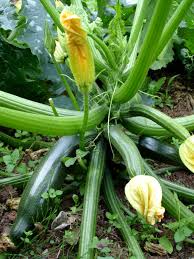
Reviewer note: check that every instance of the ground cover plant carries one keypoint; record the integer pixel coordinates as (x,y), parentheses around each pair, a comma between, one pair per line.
(97,60)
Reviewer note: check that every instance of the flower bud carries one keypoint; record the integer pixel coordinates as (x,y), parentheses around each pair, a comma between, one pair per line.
(79,52)
(186,152)
(144,193)
(59,53)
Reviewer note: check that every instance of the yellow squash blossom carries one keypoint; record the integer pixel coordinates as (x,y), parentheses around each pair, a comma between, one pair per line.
(186,152)
(144,193)
(79,52)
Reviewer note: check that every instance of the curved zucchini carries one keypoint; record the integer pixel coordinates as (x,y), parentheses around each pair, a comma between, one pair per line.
(143,126)
(127,150)
(176,208)
(160,118)
(50,125)
(91,197)
(158,149)
(49,174)
(21,104)
(114,206)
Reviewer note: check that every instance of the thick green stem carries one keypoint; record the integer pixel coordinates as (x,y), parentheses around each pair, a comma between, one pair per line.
(105,50)
(50,125)
(161,119)
(21,104)
(147,53)
(85,119)
(53,107)
(51,10)
(143,126)
(172,25)
(137,24)
(16,143)
(114,206)
(67,87)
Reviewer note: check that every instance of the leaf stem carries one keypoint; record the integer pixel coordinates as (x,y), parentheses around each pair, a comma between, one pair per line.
(106,51)
(53,107)
(67,87)
(85,119)
(147,53)
(53,13)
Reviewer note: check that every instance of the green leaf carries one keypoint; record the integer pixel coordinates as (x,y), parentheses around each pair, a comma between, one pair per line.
(188,36)
(69,161)
(58,192)
(166,56)
(45,195)
(8,19)
(15,156)
(80,153)
(166,244)
(155,86)
(182,233)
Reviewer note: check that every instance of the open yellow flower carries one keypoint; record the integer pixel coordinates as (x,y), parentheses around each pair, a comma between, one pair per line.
(186,152)
(144,193)
(79,52)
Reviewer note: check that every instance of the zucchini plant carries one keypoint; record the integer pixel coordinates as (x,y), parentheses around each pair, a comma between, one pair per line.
(109,77)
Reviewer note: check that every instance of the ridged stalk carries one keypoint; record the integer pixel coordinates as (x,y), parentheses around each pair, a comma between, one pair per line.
(91,198)
(49,125)
(127,149)
(143,126)
(105,50)
(51,10)
(186,193)
(114,206)
(15,180)
(21,104)
(146,55)
(174,207)
(140,13)
(160,118)
(16,143)
(172,25)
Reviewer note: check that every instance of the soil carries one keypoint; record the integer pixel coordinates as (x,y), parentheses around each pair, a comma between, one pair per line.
(183,104)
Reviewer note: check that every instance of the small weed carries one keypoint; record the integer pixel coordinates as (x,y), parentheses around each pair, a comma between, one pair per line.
(112,219)
(26,239)
(102,247)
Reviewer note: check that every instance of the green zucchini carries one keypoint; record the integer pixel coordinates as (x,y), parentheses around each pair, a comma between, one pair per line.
(91,197)
(175,208)
(160,118)
(49,174)
(155,148)
(127,150)
(21,104)
(112,202)
(143,126)
(50,125)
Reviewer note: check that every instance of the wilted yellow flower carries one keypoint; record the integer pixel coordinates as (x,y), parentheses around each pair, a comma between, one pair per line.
(79,52)
(144,193)
(186,152)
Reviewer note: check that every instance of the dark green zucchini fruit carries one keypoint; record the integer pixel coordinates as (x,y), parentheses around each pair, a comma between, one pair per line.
(49,174)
